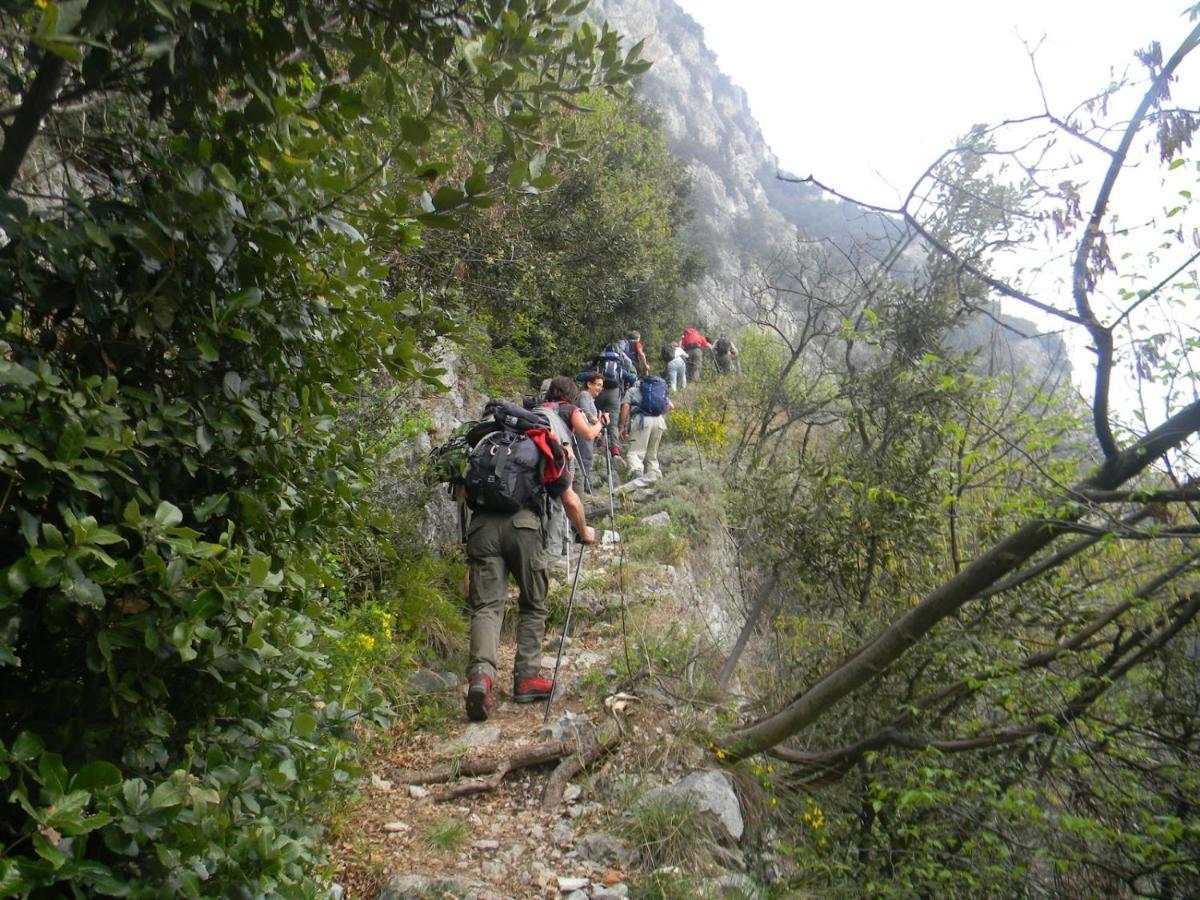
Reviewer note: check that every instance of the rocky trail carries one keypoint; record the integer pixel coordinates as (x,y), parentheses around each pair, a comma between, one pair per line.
(516,807)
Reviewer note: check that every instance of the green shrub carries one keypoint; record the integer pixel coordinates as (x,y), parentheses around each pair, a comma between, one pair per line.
(183,312)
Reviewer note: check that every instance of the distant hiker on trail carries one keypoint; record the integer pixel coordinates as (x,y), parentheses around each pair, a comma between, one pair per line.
(524,464)
(725,353)
(593,384)
(617,370)
(695,344)
(643,415)
(677,359)
(632,347)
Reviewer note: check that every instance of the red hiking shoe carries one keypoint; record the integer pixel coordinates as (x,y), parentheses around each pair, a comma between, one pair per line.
(614,450)
(479,698)
(531,688)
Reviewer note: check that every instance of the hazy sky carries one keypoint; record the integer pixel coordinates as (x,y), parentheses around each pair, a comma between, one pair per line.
(863,95)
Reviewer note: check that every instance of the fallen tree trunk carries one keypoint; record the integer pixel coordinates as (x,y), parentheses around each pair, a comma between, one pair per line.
(573,756)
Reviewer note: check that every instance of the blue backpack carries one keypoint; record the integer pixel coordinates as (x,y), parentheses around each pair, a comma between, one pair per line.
(609,364)
(654,396)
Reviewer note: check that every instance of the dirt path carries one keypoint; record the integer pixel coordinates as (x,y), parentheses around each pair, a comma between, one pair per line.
(498,844)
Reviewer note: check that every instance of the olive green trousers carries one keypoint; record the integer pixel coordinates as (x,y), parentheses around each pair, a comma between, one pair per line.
(499,545)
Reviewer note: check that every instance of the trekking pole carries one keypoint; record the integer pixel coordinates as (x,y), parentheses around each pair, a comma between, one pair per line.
(612,522)
(566,627)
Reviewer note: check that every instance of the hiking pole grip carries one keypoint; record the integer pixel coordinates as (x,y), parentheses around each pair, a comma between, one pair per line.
(566,627)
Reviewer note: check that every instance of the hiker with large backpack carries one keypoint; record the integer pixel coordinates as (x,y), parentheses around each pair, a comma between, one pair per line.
(725,354)
(632,347)
(644,417)
(511,470)
(617,370)
(695,344)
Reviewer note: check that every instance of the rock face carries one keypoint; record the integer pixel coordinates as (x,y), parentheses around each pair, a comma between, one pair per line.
(743,212)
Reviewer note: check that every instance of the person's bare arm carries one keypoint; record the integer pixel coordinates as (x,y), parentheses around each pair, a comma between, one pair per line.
(573,507)
(584,429)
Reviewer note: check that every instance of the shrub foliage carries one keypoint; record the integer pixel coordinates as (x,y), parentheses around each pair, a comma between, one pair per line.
(192,201)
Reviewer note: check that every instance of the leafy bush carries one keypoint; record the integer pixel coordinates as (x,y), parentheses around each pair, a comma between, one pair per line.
(185,304)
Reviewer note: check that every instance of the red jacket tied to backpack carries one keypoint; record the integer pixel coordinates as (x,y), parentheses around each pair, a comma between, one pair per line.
(692,338)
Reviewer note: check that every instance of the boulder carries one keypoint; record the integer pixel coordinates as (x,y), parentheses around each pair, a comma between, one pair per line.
(711,792)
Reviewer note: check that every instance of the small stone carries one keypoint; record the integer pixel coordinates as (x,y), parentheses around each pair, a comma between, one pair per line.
(615,891)
(417,792)
(336,891)
(574,810)
(611,877)
(564,833)
(451,679)
(423,681)
(397,827)
(608,538)
(572,793)
(493,871)
(486,845)
(548,662)
(659,520)
(577,895)
(380,784)
(567,885)
(553,639)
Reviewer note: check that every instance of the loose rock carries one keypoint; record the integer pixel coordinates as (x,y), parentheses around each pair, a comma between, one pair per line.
(659,520)
(711,792)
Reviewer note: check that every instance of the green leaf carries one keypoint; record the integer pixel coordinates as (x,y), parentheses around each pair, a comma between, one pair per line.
(48,850)
(414,130)
(260,568)
(29,527)
(53,773)
(305,723)
(88,592)
(11,373)
(26,746)
(168,515)
(171,792)
(223,177)
(95,774)
(11,882)
(448,198)
(54,537)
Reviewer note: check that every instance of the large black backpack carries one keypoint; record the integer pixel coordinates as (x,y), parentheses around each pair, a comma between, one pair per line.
(518,465)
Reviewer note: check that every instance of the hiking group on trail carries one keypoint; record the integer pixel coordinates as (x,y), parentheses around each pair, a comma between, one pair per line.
(517,474)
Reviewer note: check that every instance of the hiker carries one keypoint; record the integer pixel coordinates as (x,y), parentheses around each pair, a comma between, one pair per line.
(504,543)
(676,366)
(632,347)
(593,384)
(725,354)
(616,368)
(643,414)
(695,344)
(564,397)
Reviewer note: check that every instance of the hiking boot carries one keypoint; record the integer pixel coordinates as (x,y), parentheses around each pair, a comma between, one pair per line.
(479,697)
(531,688)
(614,450)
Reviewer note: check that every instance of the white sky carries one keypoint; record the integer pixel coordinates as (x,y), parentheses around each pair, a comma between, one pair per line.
(863,95)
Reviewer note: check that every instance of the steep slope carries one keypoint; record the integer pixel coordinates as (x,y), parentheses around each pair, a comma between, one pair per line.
(743,212)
